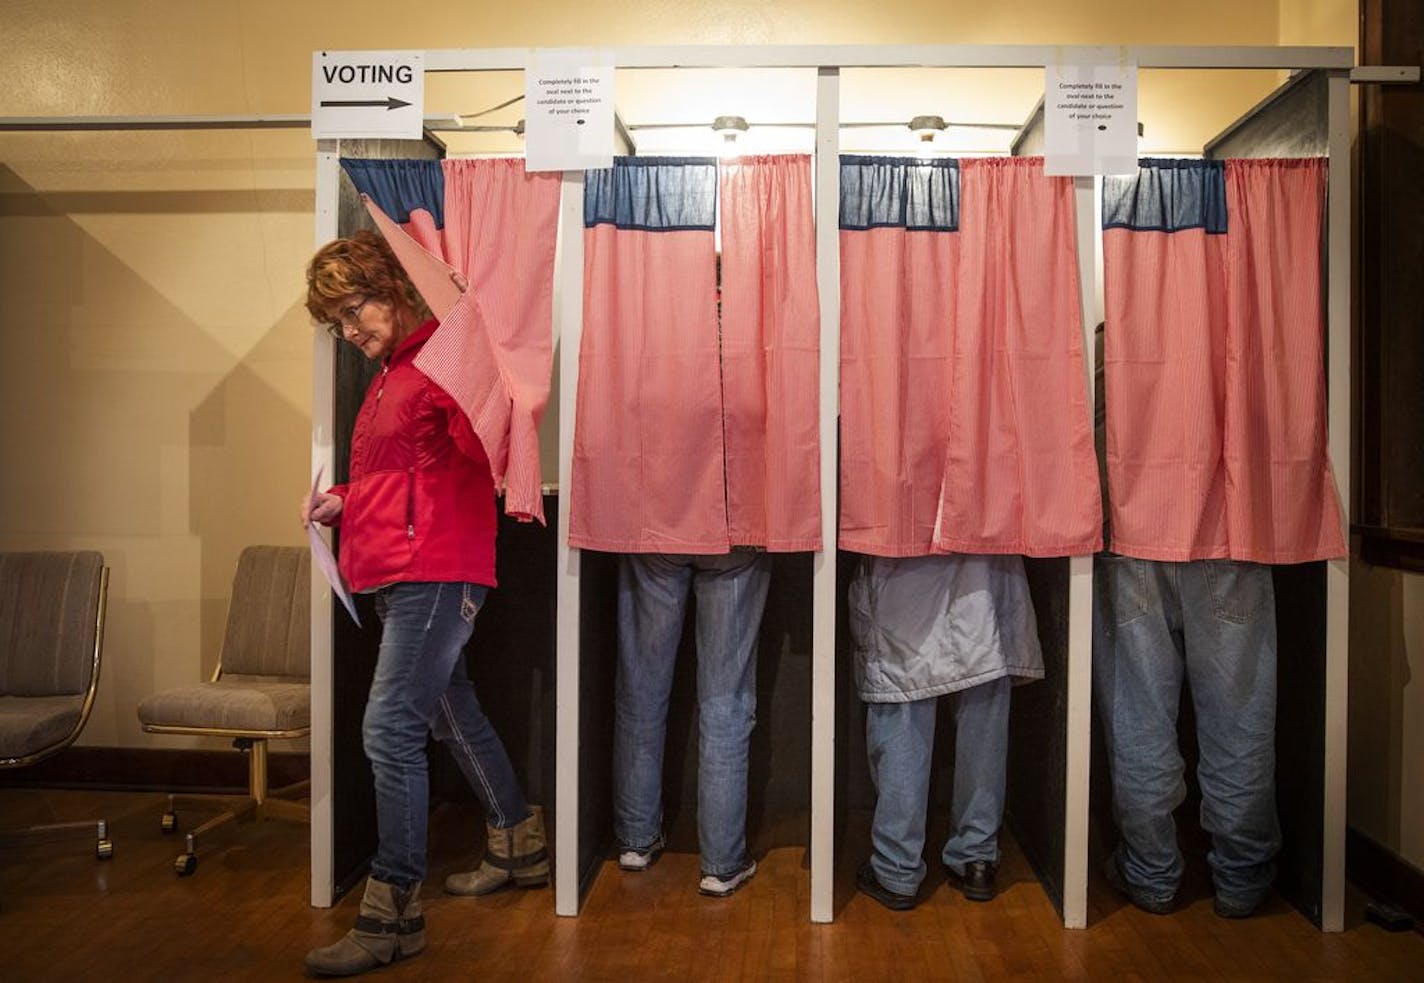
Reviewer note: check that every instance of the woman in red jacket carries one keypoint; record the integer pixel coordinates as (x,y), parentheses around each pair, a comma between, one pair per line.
(417,521)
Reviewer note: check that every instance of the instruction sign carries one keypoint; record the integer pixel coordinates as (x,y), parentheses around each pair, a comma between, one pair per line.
(568,116)
(1090,118)
(375,94)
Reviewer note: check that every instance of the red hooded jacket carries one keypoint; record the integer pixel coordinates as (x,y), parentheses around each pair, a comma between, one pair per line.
(419,505)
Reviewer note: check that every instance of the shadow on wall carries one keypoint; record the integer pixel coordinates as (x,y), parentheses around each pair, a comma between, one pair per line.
(248,458)
(165,439)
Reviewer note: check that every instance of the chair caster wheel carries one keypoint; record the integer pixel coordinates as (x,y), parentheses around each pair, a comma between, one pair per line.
(185,864)
(105,849)
(169,822)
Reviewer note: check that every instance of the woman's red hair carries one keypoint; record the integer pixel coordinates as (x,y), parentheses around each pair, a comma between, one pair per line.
(361,264)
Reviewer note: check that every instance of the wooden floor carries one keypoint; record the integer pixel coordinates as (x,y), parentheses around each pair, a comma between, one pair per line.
(244,915)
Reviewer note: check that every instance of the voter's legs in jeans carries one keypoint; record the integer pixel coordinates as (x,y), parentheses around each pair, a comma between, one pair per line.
(425,628)
(981,756)
(653,590)
(900,742)
(1211,622)
(419,685)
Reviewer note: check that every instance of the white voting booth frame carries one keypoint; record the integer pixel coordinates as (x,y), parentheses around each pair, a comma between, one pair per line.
(827,62)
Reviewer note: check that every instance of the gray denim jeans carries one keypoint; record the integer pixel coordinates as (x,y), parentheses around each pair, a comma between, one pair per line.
(653,592)
(1211,623)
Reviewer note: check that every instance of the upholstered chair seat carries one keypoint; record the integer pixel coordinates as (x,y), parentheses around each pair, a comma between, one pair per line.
(261,689)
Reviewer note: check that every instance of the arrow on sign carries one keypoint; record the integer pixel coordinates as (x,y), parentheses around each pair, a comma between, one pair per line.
(390,102)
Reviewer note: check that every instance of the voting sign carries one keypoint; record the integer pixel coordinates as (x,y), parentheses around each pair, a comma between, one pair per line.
(368,94)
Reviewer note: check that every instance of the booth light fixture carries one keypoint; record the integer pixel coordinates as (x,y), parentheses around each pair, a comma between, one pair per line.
(730,127)
(925,127)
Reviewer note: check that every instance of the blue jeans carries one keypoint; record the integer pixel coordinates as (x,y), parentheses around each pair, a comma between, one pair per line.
(899,738)
(421,688)
(652,601)
(1212,622)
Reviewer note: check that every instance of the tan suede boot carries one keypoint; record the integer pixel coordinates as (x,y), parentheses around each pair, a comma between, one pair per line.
(512,856)
(390,927)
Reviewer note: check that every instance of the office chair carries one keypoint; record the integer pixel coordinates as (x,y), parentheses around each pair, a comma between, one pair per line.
(260,690)
(52,608)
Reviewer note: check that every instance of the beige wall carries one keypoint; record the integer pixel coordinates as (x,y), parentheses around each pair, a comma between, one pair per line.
(1386,754)
(1331,22)
(155,397)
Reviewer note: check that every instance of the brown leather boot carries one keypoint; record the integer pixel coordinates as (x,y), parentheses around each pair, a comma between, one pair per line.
(389,927)
(512,856)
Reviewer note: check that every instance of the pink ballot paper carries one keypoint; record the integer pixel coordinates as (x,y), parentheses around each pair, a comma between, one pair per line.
(322,554)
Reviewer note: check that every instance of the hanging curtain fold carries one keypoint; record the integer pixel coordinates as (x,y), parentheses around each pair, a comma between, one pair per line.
(497,225)
(692,438)
(964,421)
(1020,473)
(899,223)
(771,353)
(648,454)
(1214,362)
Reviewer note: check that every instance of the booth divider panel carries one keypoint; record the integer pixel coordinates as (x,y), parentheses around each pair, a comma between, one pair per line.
(598,639)
(1038,734)
(1300,733)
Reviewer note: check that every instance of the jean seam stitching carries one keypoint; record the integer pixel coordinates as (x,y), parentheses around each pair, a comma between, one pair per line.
(465,746)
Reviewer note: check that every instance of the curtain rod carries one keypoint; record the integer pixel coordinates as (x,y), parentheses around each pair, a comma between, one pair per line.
(257,122)
(58,123)
(446,123)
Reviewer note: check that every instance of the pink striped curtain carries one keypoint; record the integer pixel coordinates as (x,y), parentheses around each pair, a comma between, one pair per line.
(648,459)
(897,306)
(1020,472)
(687,442)
(1282,506)
(493,350)
(501,227)
(770,353)
(964,418)
(1214,364)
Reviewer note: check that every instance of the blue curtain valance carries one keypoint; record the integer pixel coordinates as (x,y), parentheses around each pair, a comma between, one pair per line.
(652,194)
(400,187)
(1167,196)
(899,192)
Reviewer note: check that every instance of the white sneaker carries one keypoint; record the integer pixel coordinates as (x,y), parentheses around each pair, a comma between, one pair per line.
(635,860)
(722,887)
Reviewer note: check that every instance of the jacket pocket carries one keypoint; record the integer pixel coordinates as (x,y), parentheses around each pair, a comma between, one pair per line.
(375,538)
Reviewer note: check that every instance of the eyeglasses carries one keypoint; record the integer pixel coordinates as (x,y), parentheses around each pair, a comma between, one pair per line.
(348,317)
